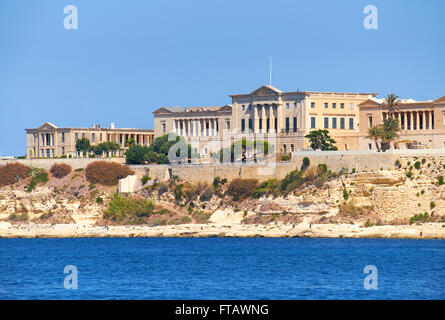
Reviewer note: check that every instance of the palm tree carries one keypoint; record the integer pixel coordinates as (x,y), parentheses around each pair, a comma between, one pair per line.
(130,142)
(390,132)
(375,133)
(392,101)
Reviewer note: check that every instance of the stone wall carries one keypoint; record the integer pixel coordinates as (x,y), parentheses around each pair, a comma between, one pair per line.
(47,163)
(361,161)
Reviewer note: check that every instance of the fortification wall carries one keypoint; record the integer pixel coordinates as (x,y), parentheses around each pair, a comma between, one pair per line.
(47,163)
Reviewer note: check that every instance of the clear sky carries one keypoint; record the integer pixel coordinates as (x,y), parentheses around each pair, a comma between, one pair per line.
(128,58)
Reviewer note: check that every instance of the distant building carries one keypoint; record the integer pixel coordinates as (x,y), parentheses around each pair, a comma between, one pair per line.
(49,141)
(289,116)
(422,123)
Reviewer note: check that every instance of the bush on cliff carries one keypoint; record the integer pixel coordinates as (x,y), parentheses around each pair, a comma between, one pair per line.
(38,176)
(241,189)
(128,210)
(12,173)
(60,170)
(106,173)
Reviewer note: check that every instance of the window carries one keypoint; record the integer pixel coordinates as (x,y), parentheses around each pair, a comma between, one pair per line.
(342,123)
(369,121)
(244,107)
(250,107)
(334,105)
(334,123)
(326,122)
(43,153)
(163,128)
(101,137)
(228,124)
(342,105)
(284,148)
(250,124)
(351,106)
(63,151)
(93,137)
(295,105)
(312,105)
(312,122)
(351,123)
(63,137)
(370,146)
(76,136)
(287,125)
(47,153)
(295,124)
(83,136)
(325,105)
(287,105)
(243,125)
(292,148)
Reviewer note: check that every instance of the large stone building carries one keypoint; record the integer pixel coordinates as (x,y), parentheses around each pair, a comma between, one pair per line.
(288,116)
(422,123)
(49,141)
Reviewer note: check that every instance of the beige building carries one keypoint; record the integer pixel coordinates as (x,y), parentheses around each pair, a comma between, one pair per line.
(49,141)
(422,123)
(288,116)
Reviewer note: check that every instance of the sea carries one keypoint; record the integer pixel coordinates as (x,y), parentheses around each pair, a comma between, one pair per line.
(221,268)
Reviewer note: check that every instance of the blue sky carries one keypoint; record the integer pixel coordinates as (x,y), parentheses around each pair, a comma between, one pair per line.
(127,58)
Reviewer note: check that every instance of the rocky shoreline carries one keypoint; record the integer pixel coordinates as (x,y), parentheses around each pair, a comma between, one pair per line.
(32,230)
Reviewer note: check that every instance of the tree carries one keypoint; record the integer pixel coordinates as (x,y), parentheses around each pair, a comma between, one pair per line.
(105,147)
(387,132)
(135,154)
(244,146)
(390,132)
(392,102)
(83,145)
(320,139)
(375,133)
(130,142)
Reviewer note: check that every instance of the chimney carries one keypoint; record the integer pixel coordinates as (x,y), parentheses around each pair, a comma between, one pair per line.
(112,125)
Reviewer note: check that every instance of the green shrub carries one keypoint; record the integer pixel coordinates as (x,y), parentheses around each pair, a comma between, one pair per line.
(241,189)
(432,205)
(122,209)
(292,180)
(345,194)
(265,188)
(106,172)
(185,219)
(207,195)
(12,173)
(60,170)
(145,179)
(440,181)
(417,164)
(38,176)
(285,158)
(99,200)
(409,174)
(201,216)
(419,217)
(18,217)
(177,191)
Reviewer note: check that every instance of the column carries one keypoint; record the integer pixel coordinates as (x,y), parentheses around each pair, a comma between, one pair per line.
(174,125)
(256,125)
(279,117)
(405,124)
(263,119)
(198,127)
(272,118)
(411,117)
(430,116)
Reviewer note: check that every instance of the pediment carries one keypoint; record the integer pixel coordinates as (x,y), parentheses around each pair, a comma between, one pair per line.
(266,91)
(162,110)
(47,126)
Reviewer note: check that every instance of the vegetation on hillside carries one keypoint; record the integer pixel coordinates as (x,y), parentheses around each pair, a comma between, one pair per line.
(106,172)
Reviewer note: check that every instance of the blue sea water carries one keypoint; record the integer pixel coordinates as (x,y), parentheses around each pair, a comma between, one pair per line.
(221,268)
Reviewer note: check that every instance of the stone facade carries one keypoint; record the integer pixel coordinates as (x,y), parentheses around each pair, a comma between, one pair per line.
(422,123)
(50,141)
(267,114)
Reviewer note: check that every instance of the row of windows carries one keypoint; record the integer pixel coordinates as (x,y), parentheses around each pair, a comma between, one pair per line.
(334,105)
(76,137)
(333,123)
(288,105)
